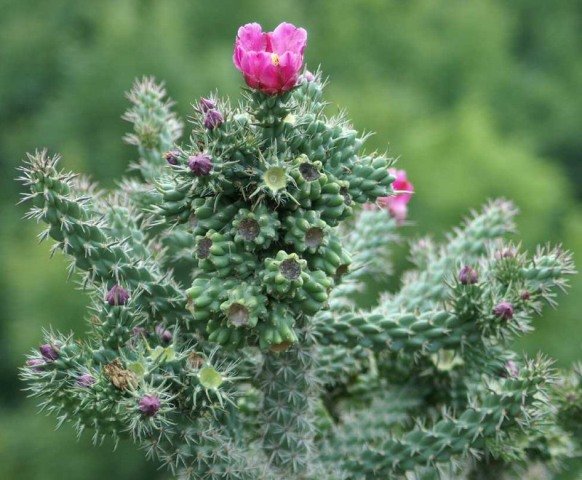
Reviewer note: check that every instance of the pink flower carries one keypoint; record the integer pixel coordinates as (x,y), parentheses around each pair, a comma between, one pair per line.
(397,205)
(270,62)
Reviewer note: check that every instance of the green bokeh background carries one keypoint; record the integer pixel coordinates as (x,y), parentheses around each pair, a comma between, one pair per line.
(477,99)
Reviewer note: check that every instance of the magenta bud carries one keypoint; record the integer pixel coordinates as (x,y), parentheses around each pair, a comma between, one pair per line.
(85,380)
(35,364)
(511,369)
(525,295)
(504,310)
(468,276)
(48,352)
(149,405)
(308,76)
(117,296)
(164,334)
(201,164)
(172,157)
(206,104)
(213,119)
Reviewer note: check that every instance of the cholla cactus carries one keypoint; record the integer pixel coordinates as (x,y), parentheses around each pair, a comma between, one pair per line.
(226,340)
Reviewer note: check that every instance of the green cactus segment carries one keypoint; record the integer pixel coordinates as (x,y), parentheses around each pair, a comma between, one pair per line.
(309,178)
(310,93)
(156,127)
(218,254)
(215,455)
(244,306)
(256,229)
(567,395)
(548,269)
(502,410)
(124,226)
(465,245)
(334,204)
(371,240)
(270,110)
(116,323)
(176,202)
(212,213)
(206,295)
(55,384)
(306,231)
(287,414)
(277,330)
(370,179)
(333,259)
(84,238)
(314,293)
(408,332)
(233,313)
(285,274)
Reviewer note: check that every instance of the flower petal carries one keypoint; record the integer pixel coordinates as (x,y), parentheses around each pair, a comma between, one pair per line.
(250,37)
(288,38)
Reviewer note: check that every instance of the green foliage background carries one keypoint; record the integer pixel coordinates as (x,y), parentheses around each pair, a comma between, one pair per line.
(477,98)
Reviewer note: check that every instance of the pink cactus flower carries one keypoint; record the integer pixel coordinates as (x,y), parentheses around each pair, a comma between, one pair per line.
(270,61)
(397,205)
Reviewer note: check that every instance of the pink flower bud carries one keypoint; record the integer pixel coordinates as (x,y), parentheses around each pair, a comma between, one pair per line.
(504,310)
(206,104)
(201,164)
(213,119)
(149,405)
(164,335)
(35,364)
(271,61)
(117,296)
(307,76)
(85,380)
(172,157)
(511,369)
(468,276)
(49,352)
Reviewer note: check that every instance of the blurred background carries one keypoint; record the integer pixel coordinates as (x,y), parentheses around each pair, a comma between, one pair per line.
(477,99)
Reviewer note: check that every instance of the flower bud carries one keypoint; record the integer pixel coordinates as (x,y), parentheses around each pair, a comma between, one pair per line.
(525,295)
(117,296)
(504,310)
(149,405)
(85,380)
(172,157)
(468,276)
(206,104)
(48,352)
(201,164)
(307,76)
(511,369)
(213,119)
(35,364)
(164,334)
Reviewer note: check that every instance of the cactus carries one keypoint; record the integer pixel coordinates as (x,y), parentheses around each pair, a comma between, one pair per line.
(226,337)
